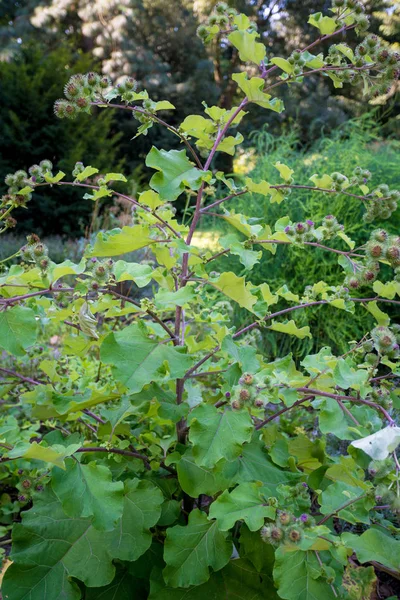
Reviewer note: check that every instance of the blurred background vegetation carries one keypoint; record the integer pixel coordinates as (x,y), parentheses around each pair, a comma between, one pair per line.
(43,42)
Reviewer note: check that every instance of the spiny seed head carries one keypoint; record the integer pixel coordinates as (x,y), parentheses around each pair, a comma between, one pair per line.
(276,533)
(92,79)
(70,110)
(258,403)
(285,517)
(32,239)
(235,404)
(10,222)
(71,90)
(221,7)
(60,108)
(26,484)
(105,82)
(380,235)
(353,283)
(9,180)
(46,165)
(244,394)
(82,102)
(130,84)
(202,31)
(294,535)
(393,253)
(247,379)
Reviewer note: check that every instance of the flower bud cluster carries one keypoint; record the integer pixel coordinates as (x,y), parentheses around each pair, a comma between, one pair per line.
(248,392)
(364,275)
(81,91)
(382,246)
(298,61)
(386,341)
(382,202)
(301,232)
(387,63)
(220,20)
(381,396)
(100,271)
(35,252)
(287,529)
(345,9)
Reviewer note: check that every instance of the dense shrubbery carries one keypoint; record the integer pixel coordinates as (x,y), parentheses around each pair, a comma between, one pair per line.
(145,442)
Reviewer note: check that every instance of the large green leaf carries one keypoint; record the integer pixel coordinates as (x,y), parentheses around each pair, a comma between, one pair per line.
(253,88)
(238,580)
(255,465)
(120,241)
(235,288)
(336,495)
(245,42)
(218,434)
(142,509)
(375,545)
(298,576)
(175,172)
(247,502)
(49,548)
(196,480)
(137,359)
(192,549)
(88,491)
(17,329)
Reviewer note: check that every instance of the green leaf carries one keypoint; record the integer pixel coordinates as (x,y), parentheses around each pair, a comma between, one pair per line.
(238,580)
(247,257)
(139,274)
(102,192)
(255,465)
(325,181)
(66,268)
(120,241)
(192,549)
(291,329)
(49,548)
(347,51)
(175,173)
(88,491)
(216,435)
(18,329)
(249,49)
(165,299)
(137,359)
(380,317)
(151,199)
(299,576)
(326,25)
(347,377)
(141,511)
(284,171)
(86,173)
(164,105)
(374,545)
(336,495)
(196,480)
(235,288)
(253,89)
(387,290)
(114,177)
(48,454)
(283,64)
(247,502)
(50,179)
